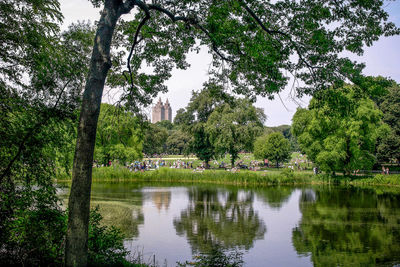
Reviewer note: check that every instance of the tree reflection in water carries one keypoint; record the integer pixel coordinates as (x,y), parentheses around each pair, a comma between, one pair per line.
(349,227)
(275,196)
(217,217)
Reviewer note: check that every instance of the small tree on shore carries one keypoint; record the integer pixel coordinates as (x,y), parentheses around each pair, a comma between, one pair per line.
(273,146)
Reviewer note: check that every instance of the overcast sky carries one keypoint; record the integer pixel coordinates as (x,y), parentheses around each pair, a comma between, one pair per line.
(383,58)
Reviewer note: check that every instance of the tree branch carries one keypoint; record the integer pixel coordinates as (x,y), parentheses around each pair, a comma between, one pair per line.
(30,133)
(191,21)
(126,7)
(272,32)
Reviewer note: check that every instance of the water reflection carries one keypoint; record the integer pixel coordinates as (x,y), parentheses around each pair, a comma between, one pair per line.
(349,227)
(161,199)
(338,226)
(275,196)
(219,217)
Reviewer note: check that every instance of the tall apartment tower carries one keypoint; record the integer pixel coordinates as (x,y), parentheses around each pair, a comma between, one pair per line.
(167,111)
(161,111)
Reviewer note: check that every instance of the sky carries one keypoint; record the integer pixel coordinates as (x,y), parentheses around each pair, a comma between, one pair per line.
(383,59)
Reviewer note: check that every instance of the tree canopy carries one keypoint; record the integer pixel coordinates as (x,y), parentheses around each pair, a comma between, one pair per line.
(119,136)
(193,119)
(233,128)
(42,72)
(339,129)
(273,146)
(389,145)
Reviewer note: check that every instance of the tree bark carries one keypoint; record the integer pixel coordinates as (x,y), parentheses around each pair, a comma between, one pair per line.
(79,199)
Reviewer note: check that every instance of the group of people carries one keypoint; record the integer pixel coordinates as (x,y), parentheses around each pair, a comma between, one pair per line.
(180,164)
(385,170)
(146,165)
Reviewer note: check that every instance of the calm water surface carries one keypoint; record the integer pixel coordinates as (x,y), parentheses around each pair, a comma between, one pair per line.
(273,226)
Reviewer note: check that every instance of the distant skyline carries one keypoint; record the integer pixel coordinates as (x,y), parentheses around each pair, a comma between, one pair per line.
(383,59)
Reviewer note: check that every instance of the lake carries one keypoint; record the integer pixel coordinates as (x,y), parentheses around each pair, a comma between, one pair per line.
(274,226)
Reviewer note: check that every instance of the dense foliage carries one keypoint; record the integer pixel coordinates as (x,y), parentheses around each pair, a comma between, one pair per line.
(41,79)
(273,146)
(193,119)
(339,130)
(389,145)
(218,123)
(287,133)
(233,128)
(119,136)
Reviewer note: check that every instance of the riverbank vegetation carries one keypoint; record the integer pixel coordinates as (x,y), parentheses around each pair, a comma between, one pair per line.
(235,177)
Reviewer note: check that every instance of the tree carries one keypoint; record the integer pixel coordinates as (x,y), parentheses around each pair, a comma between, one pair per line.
(165,124)
(233,128)
(339,129)
(252,43)
(287,133)
(154,139)
(178,143)
(183,118)
(193,119)
(389,145)
(119,136)
(273,146)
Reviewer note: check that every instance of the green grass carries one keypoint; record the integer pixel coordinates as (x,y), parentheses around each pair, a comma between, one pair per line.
(243,177)
(379,179)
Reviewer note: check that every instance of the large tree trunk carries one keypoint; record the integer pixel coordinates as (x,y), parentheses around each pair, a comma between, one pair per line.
(79,199)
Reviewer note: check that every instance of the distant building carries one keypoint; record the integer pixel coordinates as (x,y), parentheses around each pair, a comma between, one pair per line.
(161,111)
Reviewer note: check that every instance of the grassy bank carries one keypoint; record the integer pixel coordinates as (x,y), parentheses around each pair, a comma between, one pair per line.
(244,177)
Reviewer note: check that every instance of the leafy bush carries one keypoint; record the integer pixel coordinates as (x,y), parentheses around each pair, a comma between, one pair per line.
(105,243)
(36,237)
(32,227)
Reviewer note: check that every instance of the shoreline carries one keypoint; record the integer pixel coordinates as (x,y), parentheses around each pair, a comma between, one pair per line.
(242,178)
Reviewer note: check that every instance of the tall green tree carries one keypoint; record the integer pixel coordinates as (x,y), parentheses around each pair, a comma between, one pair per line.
(252,43)
(193,119)
(273,146)
(339,130)
(287,133)
(389,145)
(119,136)
(233,128)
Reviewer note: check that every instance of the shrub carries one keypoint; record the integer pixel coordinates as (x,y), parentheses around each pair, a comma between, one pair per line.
(105,243)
